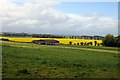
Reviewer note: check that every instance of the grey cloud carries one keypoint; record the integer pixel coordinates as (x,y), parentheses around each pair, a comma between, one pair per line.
(42,17)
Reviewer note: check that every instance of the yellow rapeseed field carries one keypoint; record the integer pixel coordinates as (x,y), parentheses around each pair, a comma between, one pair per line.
(66,41)
(61,40)
(24,39)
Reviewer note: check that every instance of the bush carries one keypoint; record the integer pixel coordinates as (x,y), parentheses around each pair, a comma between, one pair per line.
(111,41)
(70,42)
(4,39)
(82,43)
(95,43)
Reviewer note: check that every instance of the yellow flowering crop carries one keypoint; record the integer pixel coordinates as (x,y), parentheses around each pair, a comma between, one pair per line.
(61,40)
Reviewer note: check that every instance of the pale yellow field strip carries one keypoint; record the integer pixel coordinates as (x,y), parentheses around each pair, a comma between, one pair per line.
(63,47)
(88,49)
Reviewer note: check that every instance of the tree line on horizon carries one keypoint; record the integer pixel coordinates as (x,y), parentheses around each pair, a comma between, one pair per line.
(109,40)
(49,36)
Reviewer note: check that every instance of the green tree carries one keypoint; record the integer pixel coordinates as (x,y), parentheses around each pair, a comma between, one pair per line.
(95,43)
(70,42)
(82,43)
(117,41)
(109,40)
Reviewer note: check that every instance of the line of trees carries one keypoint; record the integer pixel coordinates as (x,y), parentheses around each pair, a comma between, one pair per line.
(111,41)
(31,35)
(86,43)
(46,36)
(12,34)
(15,34)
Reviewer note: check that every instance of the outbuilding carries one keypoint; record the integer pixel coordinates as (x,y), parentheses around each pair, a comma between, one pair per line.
(46,42)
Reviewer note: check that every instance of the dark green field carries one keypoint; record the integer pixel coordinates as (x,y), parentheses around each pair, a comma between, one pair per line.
(27,60)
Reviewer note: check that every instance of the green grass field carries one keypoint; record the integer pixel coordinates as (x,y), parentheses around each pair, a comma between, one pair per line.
(27,60)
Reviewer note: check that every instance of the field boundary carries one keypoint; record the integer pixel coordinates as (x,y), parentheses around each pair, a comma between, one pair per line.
(63,47)
(98,50)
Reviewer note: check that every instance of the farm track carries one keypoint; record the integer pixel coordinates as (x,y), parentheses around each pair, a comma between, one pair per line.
(63,47)
(88,49)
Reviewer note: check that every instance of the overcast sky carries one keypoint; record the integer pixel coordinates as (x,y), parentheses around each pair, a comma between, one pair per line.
(58,17)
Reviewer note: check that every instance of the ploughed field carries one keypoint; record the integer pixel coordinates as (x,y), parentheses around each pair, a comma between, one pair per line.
(28,60)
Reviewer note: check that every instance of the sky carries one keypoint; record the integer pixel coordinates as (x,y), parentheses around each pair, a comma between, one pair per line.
(59,17)
(102,8)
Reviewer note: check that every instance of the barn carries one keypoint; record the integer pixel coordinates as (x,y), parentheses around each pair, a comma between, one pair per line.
(46,42)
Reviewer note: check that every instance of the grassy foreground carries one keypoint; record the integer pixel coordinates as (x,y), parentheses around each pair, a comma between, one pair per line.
(26,60)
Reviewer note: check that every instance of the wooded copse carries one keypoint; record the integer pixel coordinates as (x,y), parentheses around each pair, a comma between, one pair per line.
(111,41)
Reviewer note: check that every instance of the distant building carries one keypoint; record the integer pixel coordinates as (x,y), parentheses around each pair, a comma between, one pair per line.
(92,37)
(98,37)
(46,42)
(86,37)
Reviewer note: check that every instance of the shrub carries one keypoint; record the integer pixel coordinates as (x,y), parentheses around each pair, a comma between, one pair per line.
(4,39)
(70,42)
(82,43)
(91,43)
(77,43)
(95,43)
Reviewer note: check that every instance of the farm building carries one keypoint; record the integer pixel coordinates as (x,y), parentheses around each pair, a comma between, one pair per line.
(46,42)
(98,37)
(92,37)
